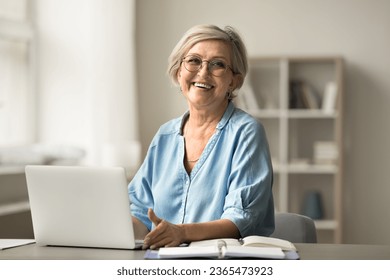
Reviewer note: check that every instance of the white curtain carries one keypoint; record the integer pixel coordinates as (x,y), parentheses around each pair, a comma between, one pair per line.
(16,38)
(13,92)
(86,76)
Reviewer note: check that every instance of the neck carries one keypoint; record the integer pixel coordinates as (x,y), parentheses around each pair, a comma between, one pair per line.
(204,118)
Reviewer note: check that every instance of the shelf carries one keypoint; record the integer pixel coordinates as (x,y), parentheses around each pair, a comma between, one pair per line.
(312,168)
(292,114)
(305,168)
(266,113)
(325,224)
(310,114)
(14,208)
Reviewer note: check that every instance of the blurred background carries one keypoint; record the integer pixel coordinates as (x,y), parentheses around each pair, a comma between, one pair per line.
(84,82)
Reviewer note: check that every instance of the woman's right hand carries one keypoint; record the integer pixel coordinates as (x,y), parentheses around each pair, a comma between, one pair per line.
(164,234)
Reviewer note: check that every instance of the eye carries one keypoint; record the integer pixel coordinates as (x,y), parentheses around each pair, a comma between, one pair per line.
(193,60)
(218,64)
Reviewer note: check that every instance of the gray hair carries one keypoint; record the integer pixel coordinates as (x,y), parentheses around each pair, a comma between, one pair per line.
(200,33)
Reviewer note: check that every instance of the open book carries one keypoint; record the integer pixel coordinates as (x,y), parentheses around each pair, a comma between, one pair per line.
(248,247)
(252,241)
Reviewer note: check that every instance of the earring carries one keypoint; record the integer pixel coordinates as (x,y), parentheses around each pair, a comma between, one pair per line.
(229,94)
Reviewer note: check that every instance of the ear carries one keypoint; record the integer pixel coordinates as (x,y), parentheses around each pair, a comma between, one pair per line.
(178,77)
(178,74)
(237,81)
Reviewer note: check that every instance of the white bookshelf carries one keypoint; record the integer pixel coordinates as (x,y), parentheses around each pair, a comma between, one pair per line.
(292,133)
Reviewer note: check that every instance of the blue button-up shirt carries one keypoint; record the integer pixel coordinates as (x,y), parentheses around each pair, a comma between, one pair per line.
(232,179)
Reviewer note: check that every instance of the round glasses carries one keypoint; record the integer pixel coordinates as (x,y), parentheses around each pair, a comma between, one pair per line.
(216,67)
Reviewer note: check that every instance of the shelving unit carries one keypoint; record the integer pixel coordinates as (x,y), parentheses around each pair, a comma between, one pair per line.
(293,132)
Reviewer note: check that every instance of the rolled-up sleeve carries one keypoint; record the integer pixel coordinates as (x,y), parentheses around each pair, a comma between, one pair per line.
(140,193)
(249,201)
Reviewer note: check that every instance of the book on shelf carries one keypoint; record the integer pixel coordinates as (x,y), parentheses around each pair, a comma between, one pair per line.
(330,98)
(325,152)
(303,96)
(295,95)
(310,97)
(249,247)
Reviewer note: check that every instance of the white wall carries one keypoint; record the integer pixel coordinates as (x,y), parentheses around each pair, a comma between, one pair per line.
(86,74)
(358,30)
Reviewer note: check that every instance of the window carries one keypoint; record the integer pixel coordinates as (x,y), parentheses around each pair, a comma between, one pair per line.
(16,68)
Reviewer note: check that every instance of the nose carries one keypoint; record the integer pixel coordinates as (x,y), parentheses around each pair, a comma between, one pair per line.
(204,69)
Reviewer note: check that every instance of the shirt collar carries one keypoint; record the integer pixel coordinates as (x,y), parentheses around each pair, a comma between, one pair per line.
(224,120)
(226,116)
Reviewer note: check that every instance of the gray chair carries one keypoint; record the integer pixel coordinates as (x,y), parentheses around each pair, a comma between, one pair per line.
(295,228)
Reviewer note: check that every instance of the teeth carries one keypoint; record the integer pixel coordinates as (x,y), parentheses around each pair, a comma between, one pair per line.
(202,85)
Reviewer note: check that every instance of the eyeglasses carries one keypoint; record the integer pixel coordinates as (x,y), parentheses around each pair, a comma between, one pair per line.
(216,67)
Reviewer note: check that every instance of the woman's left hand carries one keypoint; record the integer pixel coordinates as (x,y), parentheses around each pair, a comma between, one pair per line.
(164,234)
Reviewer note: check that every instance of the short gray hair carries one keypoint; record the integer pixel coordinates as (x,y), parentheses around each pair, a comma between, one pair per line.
(200,33)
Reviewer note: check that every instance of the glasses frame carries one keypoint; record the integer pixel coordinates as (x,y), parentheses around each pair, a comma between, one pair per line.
(208,65)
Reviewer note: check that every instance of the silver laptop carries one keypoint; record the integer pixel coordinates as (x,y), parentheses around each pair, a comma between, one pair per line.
(80,206)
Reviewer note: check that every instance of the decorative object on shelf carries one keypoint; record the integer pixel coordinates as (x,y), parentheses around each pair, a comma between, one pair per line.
(313,205)
(330,97)
(325,152)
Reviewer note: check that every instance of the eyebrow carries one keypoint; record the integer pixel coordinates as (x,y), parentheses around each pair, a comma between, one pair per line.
(214,57)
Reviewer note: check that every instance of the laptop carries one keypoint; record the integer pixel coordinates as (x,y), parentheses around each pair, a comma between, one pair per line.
(80,206)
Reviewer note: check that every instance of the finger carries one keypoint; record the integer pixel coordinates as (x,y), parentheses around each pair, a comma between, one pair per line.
(157,234)
(173,243)
(161,243)
(152,216)
(154,239)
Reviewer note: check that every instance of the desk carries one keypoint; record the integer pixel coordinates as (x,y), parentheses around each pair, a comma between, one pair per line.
(306,252)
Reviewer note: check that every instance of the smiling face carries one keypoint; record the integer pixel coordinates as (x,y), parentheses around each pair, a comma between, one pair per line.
(201,88)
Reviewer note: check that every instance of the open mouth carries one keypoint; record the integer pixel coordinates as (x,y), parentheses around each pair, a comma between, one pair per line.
(202,85)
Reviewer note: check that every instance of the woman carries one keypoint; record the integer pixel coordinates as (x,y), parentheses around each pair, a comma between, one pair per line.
(208,173)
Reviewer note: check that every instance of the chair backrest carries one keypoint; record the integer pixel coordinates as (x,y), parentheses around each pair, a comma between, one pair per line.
(295,228)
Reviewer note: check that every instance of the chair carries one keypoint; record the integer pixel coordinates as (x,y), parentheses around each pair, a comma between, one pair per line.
(295,228)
